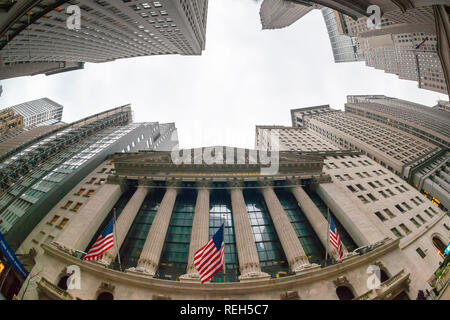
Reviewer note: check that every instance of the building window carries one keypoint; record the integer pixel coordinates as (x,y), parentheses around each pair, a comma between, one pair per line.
(89,193)
(53,221)
(380,216)
(63,223)
(314,249)
(396,233)
(405,228)
(364,200)
(76,207)
(134,241)
(270,252)
(220,212)
(389,213)
(174,256)
(67,205)
(415,222)
(80,192)
(421,253)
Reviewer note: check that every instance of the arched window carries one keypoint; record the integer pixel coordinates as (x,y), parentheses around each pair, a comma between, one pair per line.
(344,293)
(438,244)
(63,282)
(105,296)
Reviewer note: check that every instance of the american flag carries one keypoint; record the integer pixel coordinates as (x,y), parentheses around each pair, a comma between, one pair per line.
(208,260)
(335,239)
(104,242)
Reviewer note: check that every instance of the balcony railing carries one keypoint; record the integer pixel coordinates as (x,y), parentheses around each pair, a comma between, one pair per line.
(389,289)
(53,291)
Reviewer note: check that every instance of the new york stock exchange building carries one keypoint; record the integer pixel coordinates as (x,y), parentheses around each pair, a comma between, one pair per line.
(275,230)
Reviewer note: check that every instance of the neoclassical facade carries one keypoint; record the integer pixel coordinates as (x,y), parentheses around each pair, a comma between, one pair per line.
(275,233)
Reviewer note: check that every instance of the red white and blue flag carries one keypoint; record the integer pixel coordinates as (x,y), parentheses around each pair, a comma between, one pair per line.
(335,240)
(104,242)
(208,260)
(420,45)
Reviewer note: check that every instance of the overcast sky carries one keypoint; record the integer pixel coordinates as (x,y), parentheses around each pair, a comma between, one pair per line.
(245,77)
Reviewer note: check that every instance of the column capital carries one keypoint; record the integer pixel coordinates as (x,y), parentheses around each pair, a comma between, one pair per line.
(203,184)
(145,182)
(265,182)
(173,183)
(236,183)
(294,182)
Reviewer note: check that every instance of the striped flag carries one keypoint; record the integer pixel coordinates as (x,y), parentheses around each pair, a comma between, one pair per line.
(420,45)
(335,239)
(104,242)
(208,260)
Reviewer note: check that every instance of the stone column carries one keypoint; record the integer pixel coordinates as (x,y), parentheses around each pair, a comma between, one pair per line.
(288,237)
(315,218)
(200,230)
(124,222)
(245,241)
(85,223)
(151,253)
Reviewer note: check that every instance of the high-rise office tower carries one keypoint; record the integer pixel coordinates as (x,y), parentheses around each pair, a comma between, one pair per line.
(34,176)
(401,150)
(407,49)
(344,47)
(33,32)
(425,122)
(39,112)
(277,14)
(411,56)
(359,8)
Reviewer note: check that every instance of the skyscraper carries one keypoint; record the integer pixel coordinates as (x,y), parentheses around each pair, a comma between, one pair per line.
(277,14)
(33,177)
(427,123)
(39,112)
(109,30)
(394,144)
(344,47)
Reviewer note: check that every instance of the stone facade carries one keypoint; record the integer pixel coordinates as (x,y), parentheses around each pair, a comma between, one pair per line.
(406,271)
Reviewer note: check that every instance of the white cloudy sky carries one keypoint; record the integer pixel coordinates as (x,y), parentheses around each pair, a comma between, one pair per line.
(245,77)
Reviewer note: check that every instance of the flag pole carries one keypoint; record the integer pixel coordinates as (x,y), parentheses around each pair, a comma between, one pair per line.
(328,235)
(115,241)
(223,268)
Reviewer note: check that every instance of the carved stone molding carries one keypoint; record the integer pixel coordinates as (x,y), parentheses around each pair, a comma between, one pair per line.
(341,281)
(203,183)
(106,287)
(290,295)
(236,183)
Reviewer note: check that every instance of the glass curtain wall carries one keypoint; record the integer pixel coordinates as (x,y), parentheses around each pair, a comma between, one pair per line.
(271,255)
(175,253)
(220,213)
(133,244)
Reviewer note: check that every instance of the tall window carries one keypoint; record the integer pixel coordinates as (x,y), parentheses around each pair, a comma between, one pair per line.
(314,249)
(220,212)
(175,253)
(134,241)
(271,255)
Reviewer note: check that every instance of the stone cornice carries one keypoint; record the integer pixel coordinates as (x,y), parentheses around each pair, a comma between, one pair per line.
(234,288)
(161,164)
